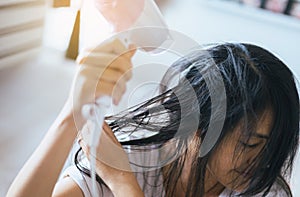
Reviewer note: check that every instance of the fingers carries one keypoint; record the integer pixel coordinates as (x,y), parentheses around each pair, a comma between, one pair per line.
(109,150)
(108,132)
(114,47)
(119,64)
(107,61)
(98,82)
(110,46)
(85,134)
(109,66)
(130,53)
(110,54)
(116,91)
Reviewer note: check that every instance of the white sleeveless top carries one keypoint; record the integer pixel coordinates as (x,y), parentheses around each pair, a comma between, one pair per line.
(85,184)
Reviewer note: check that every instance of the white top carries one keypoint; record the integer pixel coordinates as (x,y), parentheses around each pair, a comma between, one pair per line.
(85,183)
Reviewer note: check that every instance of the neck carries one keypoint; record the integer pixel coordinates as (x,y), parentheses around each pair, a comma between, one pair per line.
(212,187)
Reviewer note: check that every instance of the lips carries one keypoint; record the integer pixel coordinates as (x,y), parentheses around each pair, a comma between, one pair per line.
(246,174)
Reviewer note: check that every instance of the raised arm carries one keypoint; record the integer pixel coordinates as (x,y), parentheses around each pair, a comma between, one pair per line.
(40,173)
(101,73)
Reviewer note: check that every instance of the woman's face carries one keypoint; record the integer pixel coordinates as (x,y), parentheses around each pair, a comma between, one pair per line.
(230,163)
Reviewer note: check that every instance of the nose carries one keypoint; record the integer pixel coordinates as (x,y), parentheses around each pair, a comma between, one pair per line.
(251,157)
(249,160)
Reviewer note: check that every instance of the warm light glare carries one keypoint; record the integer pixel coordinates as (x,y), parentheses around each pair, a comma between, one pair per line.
(94,27)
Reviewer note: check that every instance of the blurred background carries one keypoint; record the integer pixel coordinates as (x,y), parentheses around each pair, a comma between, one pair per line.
(39,40)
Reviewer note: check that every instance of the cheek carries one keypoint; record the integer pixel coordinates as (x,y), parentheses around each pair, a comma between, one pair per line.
(221,165)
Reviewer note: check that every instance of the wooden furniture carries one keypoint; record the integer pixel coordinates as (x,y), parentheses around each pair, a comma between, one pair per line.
(21,30)
(73,46)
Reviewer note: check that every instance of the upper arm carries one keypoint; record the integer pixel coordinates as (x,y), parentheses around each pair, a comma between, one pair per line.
(67,187)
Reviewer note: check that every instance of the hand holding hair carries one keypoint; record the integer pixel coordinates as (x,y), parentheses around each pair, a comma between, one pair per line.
(112,161)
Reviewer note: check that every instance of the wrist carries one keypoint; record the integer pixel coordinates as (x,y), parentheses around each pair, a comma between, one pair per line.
(127,190)
(123,182)
(126,187)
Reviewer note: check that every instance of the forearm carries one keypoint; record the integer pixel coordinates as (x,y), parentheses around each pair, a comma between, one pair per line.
(126,190)
(124,184)
(130,188)
(40,173)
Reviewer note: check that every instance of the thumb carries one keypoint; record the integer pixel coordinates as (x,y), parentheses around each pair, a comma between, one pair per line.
(131,51)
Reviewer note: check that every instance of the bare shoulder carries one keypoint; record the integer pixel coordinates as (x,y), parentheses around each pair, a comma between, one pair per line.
(280,188)
(67,187)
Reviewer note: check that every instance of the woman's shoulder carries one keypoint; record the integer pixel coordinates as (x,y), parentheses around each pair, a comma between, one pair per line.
(147,181)
(84,182)
(280,188)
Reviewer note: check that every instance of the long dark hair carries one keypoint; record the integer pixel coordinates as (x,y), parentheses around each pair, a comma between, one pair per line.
(254,80)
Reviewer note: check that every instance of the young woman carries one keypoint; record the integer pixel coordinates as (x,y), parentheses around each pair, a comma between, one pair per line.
(251,155)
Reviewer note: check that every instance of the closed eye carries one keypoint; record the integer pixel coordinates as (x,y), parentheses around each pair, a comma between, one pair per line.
(250,145)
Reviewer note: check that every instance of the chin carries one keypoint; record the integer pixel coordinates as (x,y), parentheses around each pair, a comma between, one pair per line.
(238,187)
